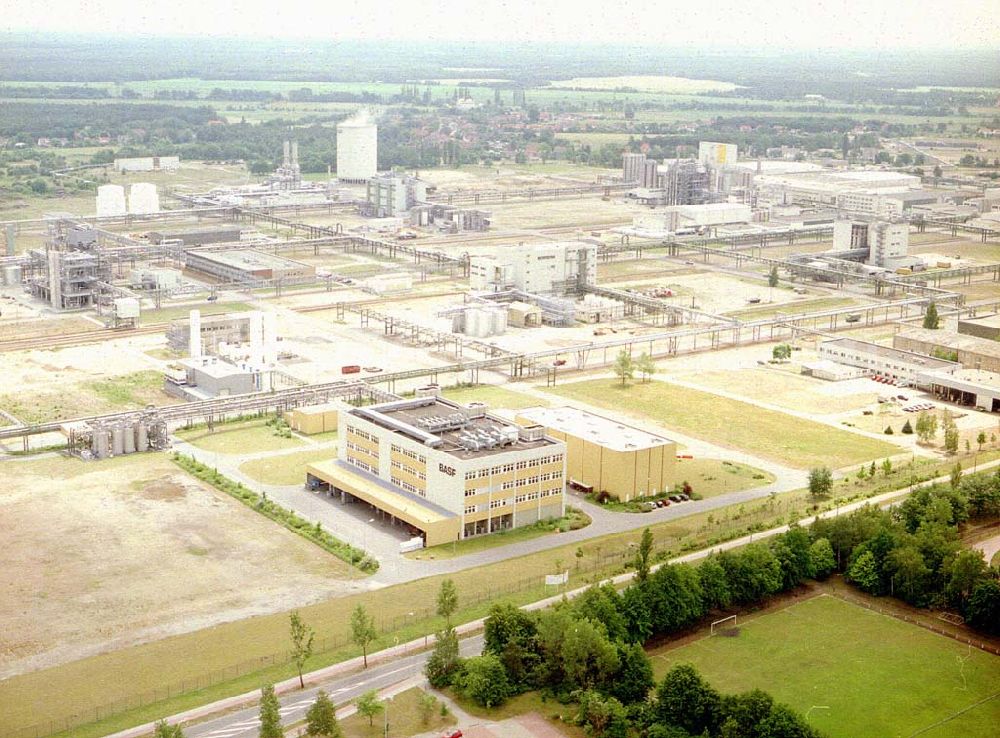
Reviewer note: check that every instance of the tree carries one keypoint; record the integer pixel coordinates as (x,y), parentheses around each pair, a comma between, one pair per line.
(783,722)
(715,593)
(589,658)
(426,706)
(645,366)
(955,478)
(821,560)
(907,428)
(321,719)
(981,439)
(909,572)
(864,572)
(753,572)
(965,571)
(820,481)
(781,352)
(744,712)
(483,680)
(605,717)
(634,677)
(447,601)
(950,434)
(270,717)
(302,642)
(926,426)
(792,552)
(983,610)
(624,366)
(937,171)
(686,700)
(165,730)
(444,659)
(369,705)
(642,555)
(932,320)
(603,604)
(363,631)
(772,277)
(887,467)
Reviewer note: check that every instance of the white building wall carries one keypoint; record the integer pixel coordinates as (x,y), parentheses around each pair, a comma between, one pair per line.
(357,149)
(717,154)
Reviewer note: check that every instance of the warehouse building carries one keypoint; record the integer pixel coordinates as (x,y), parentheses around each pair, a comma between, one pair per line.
(197,236)
(971,387)
(606,455)
(444,470)
(972,352)
(539,268)
(987,327)
(894,364)
(148,164)
(241,265)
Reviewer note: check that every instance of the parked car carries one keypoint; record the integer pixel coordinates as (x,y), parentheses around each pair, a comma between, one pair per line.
(675,498)
(684,497)
(452,734)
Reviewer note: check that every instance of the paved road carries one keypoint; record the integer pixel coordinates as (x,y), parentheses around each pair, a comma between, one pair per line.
(244,723)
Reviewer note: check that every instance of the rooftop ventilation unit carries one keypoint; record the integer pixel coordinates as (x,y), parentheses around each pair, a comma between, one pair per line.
(531,433)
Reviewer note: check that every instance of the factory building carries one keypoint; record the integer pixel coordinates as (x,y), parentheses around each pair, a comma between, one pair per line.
(887,243)
(199,236)
(392,195)
(987,326)
(685,183)
(443,470)
(972,352)
(633,166)
(891,363)
(147,164)
(826,185)
(972,387)
(69,279)
(289,175)
(357,149)
(449,218)
(242,265)
(717,154)
(213,330)
(606,455)
(538,268)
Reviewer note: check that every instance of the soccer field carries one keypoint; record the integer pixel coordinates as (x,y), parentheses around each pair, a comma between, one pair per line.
(855,673)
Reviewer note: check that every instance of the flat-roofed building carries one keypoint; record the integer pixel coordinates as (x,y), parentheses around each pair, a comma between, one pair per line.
(887,362)
(446,470)
(973,387)
(972,352)
(240,265)
(988,327)
(624,461)
(198,236)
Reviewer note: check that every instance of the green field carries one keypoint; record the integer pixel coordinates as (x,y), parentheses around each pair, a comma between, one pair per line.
(285,468)
(768,433)
(495,397)
(238,438)
(873,675)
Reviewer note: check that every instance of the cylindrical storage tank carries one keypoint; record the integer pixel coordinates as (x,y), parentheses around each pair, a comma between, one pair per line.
(12,276)
(111,200)
(141,437)
(118,440)
(128,437)
(357,148)
(473,321)
(100,443)
(143,199)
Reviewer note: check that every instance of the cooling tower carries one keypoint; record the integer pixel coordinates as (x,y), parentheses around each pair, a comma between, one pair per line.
(110,200)
(357,148)
(143,199)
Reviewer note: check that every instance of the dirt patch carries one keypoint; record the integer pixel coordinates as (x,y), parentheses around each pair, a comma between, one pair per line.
(135,550)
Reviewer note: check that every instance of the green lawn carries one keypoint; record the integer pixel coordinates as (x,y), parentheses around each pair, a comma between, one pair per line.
(285,468)
(238,438)
(495,397)
(878,676)
(768,433)
(166,314)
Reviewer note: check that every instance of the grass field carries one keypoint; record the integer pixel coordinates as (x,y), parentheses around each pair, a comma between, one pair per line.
(877,676)
(495,397)
(238,438)
(768,433)
(285,468)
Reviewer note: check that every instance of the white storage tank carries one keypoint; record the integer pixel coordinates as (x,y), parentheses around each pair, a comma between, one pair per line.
(128,439)
(110,200)
(143,199)
(12,276)
(127,307)
(357,148)
(117,440)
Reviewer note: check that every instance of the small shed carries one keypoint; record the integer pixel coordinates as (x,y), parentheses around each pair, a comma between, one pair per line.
(524,315)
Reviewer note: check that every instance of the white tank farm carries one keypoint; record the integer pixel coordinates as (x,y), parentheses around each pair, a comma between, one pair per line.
(357,148)
(110,200)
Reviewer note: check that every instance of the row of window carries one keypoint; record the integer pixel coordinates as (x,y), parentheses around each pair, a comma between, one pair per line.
(418,473)
(513,483)
(506,501)
(362,449)
(361,433)
(408,487)
(361,464)
(420,458)
(506,468)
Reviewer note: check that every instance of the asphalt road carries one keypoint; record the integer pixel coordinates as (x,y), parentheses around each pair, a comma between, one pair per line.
(245,723)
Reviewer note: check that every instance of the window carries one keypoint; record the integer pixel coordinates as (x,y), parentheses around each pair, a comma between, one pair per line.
(470,509)
(503,502)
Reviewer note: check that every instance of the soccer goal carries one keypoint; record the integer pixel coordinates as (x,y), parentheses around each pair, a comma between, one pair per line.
(725,626)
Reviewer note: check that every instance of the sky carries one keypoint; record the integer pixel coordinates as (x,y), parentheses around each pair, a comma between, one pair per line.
(793,24)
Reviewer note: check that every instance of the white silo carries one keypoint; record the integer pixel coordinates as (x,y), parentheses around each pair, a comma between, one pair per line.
(143,199)
(357,148)
(110,200)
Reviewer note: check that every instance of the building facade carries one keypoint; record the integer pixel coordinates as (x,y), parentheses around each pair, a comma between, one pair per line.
(890,363)
(445,470)
(550,268)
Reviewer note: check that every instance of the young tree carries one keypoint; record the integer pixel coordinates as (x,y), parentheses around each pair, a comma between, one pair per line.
(821,560)
(864,573)
(363,630)
(887,467)
(981,440)
(642,555)
(624,366)
(772,277)
(270,718)
(781,352)
(820,481)
(447,601)
(321,719)
(444,659)
(907,428)
(950,436)
(955,478)
(369,705)
(165,730)
(484,680)
(931,318)
(645,366)
(926,426)
(302,642)
(426,706)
